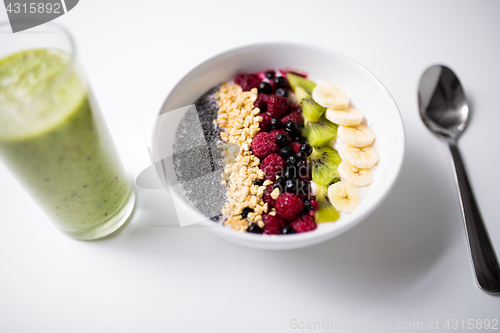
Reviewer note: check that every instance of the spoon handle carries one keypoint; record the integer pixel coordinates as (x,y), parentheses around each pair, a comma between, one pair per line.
(481,251)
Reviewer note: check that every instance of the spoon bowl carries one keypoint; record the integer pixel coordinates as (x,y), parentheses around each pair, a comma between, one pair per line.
(442,102)
(444,110)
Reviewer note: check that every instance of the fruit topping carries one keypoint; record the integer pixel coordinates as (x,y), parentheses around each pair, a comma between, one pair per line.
(286,151)
(245,212)
(297,81)
(365,157)
(293,71)
(278,106)
(270,75)
(266,197)
(360,177)
(288,206)
(356,136)
(273,165)
(266,120)
(281,92)
(287,230)
(283,139)
(301,155)
(325,163)
(293,128)
(343,196)
(348,117)
(263,144)
(330,97)
(255,229)
(265,88)
(291,186)
(275,123)
(296,116)
(261,102)
(295,146)
(324,211)
(320,133)
(291,160)
(304,223)
(307,148)
(280,82)
(247,81)
(272,224)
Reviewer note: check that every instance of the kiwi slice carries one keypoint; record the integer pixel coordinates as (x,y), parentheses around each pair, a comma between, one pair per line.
(299,81)
(303,89)
(312,110)
(319,133)
(324,165)
(301,94)
(326,212)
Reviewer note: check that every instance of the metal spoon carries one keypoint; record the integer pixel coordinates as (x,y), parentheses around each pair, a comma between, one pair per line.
(444,110)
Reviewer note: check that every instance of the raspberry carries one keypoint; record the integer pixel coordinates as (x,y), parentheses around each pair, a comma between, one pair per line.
(298,72)
(247,81)
(274,133)
(266,119)
(261,102)
(267,195)
(272,165)
(263,144)
(295,146)
(288,206)
(304,223)
(272,224)
(278,106)
(295,116)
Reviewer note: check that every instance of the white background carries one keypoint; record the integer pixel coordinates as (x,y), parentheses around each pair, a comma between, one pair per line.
(407,262)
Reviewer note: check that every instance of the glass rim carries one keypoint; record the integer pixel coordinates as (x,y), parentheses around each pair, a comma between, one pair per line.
(69,67)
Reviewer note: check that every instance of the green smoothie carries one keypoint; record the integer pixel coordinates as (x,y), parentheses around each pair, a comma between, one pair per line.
(54,139)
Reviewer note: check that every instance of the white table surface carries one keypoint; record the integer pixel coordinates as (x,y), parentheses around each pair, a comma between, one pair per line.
(408,262)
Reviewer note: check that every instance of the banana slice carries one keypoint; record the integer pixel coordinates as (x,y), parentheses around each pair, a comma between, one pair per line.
(343,196)
(364,157)
(357,176)
(330,97)
(356,136)
(348,117)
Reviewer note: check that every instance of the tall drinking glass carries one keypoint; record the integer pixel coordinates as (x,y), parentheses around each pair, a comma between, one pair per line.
(53,137)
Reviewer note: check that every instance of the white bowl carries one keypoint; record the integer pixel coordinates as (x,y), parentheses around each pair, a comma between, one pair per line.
(365,91)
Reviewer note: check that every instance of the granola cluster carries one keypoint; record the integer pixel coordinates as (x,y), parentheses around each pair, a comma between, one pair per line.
(240,123)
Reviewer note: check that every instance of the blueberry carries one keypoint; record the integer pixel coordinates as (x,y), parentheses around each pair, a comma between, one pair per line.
(304,187)
(300,139)
(282,140)
(275,123)
(286,151)
(301,155)
(307,148)
(280,82)
(281,92)
(265,88)
(255,229)
(292,128)
(291,160)
(291,186)
(308,206)
(280,184)
(303,168)
(287,230)
(270,75)
(258,182)
(245,212)
(290,173)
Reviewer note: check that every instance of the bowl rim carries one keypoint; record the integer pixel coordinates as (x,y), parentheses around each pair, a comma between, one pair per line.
(282,242)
